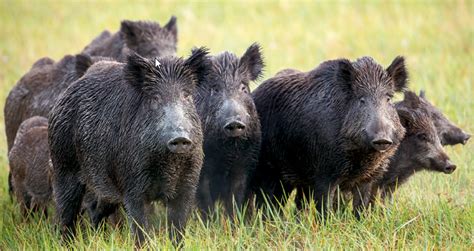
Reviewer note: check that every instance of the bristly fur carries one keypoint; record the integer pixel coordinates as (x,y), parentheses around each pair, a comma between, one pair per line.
(448,132)
(419,150)
(315,128)
(84,61)
(30,166)
(397,70)
(144,75)
(146,38)
(110,134)
(252,63)
(223,96)
(37,91)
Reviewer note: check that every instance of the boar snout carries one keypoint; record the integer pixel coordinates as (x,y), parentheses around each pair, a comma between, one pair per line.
(379,136)
(180,145)
(442,163)
(454,137)
(449,168)
(234,116)
(466,138)
(381,144)
(234,128)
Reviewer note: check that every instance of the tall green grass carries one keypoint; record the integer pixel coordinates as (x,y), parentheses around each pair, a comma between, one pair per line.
(432,211)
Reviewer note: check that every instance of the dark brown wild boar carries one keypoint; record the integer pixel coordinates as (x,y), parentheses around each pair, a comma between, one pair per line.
(130,133)
(231,129)
(31,167)
(332,126)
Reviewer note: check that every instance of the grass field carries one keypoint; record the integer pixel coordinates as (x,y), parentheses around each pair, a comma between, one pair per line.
(433,211)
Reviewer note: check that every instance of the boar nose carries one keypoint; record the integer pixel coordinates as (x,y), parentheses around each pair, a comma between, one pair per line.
(180,145)
(381,144)
(449,168)
(466,138)
(234,128)
(379,132)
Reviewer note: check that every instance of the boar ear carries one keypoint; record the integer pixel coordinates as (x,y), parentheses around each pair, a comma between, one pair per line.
(42,62)
(252,62)
(172,27)
(411,100)
(406,117)
(398,72)
(137,69)
(199,63)
(345,72)
(83,62)
(422,94)
(129,32)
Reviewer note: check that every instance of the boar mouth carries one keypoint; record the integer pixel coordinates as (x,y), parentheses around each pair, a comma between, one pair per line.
(381,145)
(449,169)
(466,138)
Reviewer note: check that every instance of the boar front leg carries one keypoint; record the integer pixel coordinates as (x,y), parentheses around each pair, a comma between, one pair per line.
(135,208)
(361,195)
(237,192)
(323,193)
(204,199)
(179,209)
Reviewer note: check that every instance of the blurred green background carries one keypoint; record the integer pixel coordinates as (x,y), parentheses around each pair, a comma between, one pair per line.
(436,37)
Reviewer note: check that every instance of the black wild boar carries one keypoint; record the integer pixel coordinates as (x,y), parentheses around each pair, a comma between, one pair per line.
(130,133)
(37,91)
(448,133)
(334,125)
(421,148)
(148,39)
(231,128)
(30,166)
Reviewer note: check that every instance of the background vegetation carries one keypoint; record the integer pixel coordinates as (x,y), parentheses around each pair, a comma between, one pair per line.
(433,211)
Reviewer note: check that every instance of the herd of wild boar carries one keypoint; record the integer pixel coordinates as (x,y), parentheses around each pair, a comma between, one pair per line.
(126,122)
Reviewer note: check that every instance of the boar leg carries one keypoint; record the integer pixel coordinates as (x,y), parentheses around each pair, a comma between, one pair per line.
(360,198)
(323,193)
(373,195)
(179,209)
(24,200)
(204,199)
(102,211)
(69,192)
(237,192)
(302,195)
(387,192)
(10,185)
(135,208)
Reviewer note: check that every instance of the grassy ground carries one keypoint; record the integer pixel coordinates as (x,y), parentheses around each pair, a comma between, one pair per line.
(433,211)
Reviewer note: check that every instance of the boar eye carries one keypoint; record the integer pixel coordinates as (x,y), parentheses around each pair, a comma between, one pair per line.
(389,97)
(244,88)
(215,88)
(362,101)
(422,136)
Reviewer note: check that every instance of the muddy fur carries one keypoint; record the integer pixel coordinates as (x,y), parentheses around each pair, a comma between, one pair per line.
(146,38)
(37,91)
(223,98)
(31,167)
(421,148)
(448,132)
(319,128)
(113,132)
